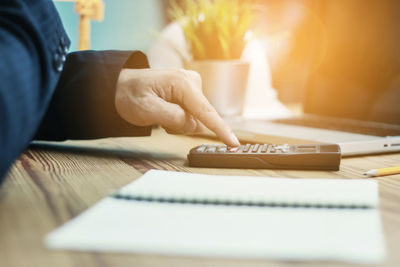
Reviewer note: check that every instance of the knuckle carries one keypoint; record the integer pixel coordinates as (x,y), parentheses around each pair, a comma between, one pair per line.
(182,74)
(190,75)
(189,127)
(195,75)
(196,78)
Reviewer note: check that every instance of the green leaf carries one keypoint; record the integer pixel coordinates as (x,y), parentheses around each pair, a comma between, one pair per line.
(214,29)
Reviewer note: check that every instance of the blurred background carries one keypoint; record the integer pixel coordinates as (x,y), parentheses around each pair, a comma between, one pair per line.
(293,32)
(135,24)
(127,24)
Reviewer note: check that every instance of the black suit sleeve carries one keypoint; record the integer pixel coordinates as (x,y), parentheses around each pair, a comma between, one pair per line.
(27,73)
(77,103)
(83,103)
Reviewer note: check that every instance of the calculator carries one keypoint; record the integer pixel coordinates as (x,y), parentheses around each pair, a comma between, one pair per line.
(267,156)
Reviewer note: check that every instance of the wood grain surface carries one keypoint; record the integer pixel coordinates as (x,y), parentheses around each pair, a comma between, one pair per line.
(50,184)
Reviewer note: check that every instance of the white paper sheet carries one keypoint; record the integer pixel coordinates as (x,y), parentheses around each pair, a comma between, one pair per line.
(188,186)
(119,225)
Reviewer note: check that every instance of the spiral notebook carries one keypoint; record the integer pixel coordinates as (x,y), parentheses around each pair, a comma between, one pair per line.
(176,213)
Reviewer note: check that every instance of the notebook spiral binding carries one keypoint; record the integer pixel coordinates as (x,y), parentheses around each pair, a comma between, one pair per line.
(271,204)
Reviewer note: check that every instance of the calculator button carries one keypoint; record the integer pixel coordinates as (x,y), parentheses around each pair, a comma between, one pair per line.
(255,148)
(241,149)
(264,148)
(211,149)
(222,149)
(283,148)
(201,148)
(280,149)
(246,148)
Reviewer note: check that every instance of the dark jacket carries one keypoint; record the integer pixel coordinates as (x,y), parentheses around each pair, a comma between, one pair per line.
(48,94)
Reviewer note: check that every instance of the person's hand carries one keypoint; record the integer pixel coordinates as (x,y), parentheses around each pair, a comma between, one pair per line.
(171,98)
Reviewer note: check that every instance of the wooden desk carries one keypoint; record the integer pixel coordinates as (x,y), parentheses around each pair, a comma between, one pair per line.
(47,187)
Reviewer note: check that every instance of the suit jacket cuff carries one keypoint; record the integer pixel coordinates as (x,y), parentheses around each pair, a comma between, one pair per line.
(83,104)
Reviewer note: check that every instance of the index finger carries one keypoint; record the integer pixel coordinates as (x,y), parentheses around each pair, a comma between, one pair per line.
(197,104)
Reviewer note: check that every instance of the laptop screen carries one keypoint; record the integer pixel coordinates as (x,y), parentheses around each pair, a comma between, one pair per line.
(357,75)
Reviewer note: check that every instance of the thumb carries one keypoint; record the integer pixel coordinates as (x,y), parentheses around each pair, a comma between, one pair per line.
(173,117)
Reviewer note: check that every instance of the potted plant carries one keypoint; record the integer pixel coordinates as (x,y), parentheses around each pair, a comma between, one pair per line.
(216,32)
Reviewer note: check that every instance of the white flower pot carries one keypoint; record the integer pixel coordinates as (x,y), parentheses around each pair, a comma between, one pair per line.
(224,83)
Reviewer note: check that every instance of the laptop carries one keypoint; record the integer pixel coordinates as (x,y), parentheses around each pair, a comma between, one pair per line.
(352,94)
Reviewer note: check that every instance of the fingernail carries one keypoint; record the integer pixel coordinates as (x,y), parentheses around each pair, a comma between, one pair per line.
(233,149)
(234,140)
